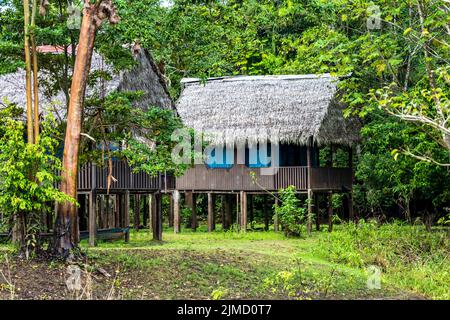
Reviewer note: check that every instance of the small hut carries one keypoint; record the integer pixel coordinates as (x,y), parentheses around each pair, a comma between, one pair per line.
(113,199)
(267,133)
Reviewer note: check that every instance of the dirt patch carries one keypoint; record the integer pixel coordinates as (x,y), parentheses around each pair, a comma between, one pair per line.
(138,274)
(43,280)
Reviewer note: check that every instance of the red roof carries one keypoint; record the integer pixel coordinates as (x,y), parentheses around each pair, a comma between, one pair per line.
(53,49)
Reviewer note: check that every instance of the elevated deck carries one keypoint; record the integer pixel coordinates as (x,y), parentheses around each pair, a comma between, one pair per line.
(242,178)
(92,177)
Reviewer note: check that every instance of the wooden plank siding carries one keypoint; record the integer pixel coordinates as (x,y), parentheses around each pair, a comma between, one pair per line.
(238,178)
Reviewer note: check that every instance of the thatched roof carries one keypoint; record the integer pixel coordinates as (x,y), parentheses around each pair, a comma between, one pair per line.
(145,76)
(291,109)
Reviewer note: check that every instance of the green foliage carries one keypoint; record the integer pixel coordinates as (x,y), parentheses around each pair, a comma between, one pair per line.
(304,281)
(28,174)
(219,294)
(19,161)
(186,213)
(291,213)
(406,254)
(398,181)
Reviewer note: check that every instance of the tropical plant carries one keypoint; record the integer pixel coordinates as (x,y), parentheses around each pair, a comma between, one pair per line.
(290,212)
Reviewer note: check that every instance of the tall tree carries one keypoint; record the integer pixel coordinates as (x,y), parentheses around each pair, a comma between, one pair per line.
(66,229)
(35,72)
(26,16)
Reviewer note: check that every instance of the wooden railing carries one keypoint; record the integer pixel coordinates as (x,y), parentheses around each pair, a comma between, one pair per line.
(91,177)
(292,176)
(239,178)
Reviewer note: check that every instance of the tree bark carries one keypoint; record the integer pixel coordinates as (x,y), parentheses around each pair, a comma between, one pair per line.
(35,74)
(26,15)
(66,228)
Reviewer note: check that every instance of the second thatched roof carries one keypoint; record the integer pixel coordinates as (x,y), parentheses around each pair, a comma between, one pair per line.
(145,77)
(298,109)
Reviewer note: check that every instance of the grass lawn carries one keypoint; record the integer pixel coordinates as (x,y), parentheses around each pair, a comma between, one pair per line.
(198,265)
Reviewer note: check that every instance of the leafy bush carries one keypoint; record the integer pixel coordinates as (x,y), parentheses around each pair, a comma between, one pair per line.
(290,213)
(28,176)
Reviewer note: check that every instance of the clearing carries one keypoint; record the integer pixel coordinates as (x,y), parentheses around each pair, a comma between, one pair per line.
(196,265)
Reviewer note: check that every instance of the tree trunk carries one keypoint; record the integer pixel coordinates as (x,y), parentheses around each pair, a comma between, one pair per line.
(66,228)
(35,74)
(26,15)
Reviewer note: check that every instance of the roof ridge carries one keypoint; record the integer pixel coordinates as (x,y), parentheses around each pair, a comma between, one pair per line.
(260,78)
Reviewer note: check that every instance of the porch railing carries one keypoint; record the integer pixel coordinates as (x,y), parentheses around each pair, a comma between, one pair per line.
(239,177)
(91,177)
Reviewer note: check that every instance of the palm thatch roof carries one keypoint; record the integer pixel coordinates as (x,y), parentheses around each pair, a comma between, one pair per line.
(145,76)
(298,109)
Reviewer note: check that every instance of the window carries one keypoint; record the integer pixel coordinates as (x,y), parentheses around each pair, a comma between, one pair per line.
(220,158)
(258,156)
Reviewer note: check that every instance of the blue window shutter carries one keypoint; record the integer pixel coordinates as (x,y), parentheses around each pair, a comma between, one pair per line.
(218,159)
(253,158)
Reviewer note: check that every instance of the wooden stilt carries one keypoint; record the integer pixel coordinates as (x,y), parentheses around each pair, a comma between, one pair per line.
(351,213)
(238,213)
(176,212)
(189,203)
(137,212)
(310,192)
(210,212)
(222,211)
(151,201)
(310,211)
(266,214)
(275,219)
(115,210)
(92,219)
(107,220)
(194,222)
(101,215)
(145,216)
(171,214)
(317,211)
(121,210)
(153,214)
(243,197)
(330,211)
(122,203)
(157,216)
(126,213)
(251,213)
